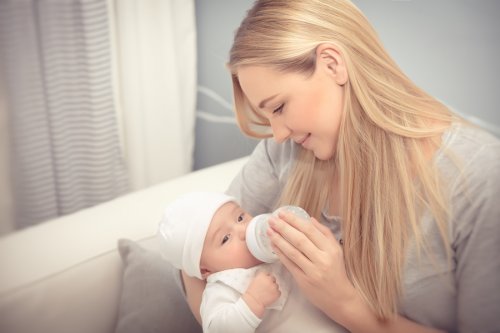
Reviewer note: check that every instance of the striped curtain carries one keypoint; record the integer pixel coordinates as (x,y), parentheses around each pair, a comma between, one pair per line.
(66,152)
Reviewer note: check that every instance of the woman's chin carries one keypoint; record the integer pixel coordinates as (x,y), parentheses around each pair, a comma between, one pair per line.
(323,156)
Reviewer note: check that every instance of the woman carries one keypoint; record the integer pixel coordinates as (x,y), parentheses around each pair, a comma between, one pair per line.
(404,189)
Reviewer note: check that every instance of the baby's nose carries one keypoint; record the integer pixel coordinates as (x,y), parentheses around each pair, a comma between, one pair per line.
(242,232)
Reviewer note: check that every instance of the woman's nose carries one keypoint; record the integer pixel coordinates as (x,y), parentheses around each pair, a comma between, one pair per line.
(280,131)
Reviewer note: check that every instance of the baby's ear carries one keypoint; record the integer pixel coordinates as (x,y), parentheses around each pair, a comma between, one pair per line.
(205,273)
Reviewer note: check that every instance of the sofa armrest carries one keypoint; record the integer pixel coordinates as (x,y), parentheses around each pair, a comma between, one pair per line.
(64,275)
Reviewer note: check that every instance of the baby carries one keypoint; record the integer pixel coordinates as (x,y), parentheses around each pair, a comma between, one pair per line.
(203,233)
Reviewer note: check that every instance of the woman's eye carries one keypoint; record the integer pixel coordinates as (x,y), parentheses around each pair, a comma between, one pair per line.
(240,218)
(225,239)
(279,109)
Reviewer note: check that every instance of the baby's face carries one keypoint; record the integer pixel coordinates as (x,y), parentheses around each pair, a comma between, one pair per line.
(225,246)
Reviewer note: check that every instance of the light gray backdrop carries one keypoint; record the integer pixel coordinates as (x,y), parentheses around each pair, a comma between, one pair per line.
(448,47)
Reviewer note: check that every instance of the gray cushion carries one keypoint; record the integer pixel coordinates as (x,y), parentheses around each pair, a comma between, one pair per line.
(151,299)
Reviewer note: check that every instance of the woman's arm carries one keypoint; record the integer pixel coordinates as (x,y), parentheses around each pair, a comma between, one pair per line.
(356,316)
(315,259)
(259,183)
(193,288)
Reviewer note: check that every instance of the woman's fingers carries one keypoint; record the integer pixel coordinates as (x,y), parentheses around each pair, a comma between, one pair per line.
(294,229)
(290,255)
(293,242)
(306,245)
(323,228)
(299,273)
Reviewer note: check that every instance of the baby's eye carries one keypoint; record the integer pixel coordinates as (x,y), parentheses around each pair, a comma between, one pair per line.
(225,238)
(240,218)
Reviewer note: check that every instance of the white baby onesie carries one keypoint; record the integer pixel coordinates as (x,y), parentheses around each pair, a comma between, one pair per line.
(223,309)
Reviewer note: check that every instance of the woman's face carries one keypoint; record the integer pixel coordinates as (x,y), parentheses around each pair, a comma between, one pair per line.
(305,109)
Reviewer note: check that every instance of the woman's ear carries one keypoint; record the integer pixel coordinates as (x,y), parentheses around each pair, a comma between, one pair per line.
(329,57)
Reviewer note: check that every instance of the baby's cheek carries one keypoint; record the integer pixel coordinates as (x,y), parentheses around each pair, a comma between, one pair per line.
(244,256)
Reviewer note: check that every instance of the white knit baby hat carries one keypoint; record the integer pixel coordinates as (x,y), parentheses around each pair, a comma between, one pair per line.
(183,228)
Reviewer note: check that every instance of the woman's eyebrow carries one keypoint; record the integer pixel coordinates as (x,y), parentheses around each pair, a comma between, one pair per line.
(262,104)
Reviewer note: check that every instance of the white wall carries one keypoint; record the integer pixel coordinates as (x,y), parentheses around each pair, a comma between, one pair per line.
(450,48)
(217,140)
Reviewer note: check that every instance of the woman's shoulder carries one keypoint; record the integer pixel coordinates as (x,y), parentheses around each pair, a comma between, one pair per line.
(280,154)
(471,139)
(259,183)
(472,166)
(471,152)
(276,157)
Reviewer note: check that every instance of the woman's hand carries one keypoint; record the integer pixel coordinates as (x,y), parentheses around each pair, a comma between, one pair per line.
(314,257)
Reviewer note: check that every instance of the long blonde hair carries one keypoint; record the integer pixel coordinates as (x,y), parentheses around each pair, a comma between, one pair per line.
(385,176)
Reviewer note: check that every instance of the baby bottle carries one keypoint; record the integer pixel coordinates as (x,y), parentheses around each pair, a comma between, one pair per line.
(257,240)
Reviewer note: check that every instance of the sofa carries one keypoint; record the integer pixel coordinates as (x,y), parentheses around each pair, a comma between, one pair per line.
(99,270)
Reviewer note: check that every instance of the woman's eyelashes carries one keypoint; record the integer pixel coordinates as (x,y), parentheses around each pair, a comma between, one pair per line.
(279,109)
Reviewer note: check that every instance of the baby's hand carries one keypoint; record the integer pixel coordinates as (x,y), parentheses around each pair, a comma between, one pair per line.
(262,292)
